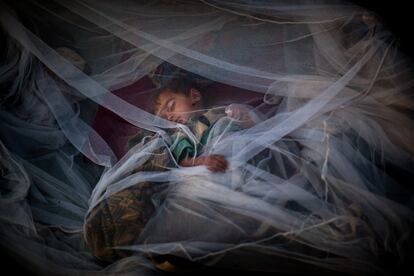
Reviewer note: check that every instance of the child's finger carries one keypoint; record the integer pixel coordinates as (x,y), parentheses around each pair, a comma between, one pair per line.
(218,157)
(213,168)
(216,167)
(222,163)
(221,167)
(217,162)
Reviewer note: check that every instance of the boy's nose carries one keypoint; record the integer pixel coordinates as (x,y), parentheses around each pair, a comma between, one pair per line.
(170,117)
(164,114)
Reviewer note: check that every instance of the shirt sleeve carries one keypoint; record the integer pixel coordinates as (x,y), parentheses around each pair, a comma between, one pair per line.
(183,148)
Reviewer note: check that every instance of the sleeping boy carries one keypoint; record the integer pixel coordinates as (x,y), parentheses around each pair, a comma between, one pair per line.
(179,101)
(119,219)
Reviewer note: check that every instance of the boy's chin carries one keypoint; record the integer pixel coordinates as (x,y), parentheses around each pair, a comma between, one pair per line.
(182,120)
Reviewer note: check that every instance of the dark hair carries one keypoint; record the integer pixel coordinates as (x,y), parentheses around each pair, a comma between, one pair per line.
(177,86)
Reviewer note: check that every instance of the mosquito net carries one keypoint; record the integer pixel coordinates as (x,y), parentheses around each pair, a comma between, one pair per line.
(141,136)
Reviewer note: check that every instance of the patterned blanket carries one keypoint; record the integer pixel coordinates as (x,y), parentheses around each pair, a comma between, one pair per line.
(120,218)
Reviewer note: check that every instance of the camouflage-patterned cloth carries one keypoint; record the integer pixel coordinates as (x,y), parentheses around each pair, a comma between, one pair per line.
(119,219)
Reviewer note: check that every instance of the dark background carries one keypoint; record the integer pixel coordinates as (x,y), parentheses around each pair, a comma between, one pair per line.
(396,15)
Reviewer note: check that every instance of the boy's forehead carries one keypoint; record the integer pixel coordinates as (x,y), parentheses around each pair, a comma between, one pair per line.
(166,93)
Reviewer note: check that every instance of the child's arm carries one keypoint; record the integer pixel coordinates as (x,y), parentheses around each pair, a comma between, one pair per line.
(214,162)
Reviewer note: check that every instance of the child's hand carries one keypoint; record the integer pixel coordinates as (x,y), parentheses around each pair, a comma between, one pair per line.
(237,111)
(240,113)
(214,162)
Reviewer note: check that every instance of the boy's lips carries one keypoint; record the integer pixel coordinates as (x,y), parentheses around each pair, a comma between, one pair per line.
(178,120)
(181,120)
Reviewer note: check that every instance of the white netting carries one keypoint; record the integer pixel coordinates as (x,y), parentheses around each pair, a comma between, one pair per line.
(309,119)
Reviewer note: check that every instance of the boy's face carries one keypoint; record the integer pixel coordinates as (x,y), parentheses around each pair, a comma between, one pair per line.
(177,107)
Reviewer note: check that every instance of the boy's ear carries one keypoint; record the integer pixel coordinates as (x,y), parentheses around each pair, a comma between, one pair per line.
(195,96)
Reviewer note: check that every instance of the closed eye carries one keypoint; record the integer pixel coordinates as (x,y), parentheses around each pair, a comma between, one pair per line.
(171,105)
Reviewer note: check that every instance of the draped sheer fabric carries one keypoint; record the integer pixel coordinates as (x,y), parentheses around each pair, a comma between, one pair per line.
(314,184)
